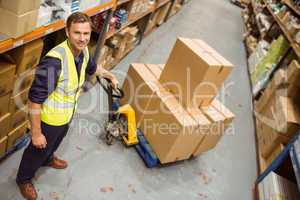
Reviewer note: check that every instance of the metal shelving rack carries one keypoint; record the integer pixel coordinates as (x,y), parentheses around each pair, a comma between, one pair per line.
(289,150)
(10,43)
(7,44)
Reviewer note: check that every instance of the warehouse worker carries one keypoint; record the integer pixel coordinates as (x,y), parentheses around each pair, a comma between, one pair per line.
(53,98)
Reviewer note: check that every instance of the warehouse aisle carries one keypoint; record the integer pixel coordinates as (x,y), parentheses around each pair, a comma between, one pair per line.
(97,171)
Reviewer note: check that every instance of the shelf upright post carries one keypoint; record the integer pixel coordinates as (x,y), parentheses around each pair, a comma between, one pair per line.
(102,35)
(144,26)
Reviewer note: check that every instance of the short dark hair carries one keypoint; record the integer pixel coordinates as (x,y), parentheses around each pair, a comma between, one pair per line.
(78,17)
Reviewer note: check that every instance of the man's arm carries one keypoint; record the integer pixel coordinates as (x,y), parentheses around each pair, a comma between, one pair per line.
(38,139)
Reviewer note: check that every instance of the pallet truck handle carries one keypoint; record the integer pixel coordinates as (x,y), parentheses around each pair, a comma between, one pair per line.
(114,92)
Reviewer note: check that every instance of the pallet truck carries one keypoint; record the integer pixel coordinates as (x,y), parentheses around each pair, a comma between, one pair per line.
(121,125)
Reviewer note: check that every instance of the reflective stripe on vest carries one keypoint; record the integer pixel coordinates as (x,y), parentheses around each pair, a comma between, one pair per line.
(60,106)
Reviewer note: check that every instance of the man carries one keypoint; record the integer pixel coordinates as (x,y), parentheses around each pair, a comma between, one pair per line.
(53,98)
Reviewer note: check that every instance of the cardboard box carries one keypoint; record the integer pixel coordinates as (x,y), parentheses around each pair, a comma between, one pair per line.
(27,56)
(138,87)
(15,134)
(14,25)
(123,42)
(137,8)
(4,125)
(7,71)
(220,118)
(4,104)
(268,138)
(20,6)
(170,130)
(18,101)
(276,151)
(156,70)
(195,72)
(25,79)
(18,118)
(284,82)
(293,76)
(152,22)
(162,13)
(3,144)
(279,112)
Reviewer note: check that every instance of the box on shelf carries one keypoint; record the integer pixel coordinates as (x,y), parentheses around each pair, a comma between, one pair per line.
(152,22)
(195,72)
(7,71)
(20,6)
(27,56)
(123,42)
(279,112)
(162,13)
(15,134)
(14,25)
(3,144)
(4,102)
(4,125)
(25,79)
(268,138)
(18,101)
(293,76)
(277,150)
(138,8)
(18,118)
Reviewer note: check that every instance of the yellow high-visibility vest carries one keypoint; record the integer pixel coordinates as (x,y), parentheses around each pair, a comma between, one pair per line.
(61,104)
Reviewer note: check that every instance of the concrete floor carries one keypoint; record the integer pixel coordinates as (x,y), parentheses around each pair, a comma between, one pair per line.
(97,171)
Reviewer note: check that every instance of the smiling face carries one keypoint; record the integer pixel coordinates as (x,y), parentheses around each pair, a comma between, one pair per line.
(79,35)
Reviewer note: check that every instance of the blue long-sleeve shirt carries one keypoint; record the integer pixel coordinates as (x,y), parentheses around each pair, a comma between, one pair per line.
(47,74)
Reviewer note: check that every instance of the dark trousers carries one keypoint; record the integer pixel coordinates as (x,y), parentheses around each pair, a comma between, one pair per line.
(33,158)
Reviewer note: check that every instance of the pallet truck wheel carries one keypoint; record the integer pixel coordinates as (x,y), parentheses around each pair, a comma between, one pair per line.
(109,139)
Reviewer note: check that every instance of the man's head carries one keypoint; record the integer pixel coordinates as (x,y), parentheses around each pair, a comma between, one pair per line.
(78,30)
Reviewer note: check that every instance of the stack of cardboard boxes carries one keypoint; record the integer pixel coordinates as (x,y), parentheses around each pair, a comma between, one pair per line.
(18,17)
(16,76)
(122,43)
(175,108)
(277,113)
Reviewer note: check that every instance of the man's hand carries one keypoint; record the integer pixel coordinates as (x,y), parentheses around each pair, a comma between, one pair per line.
(107,74)
(38,140)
